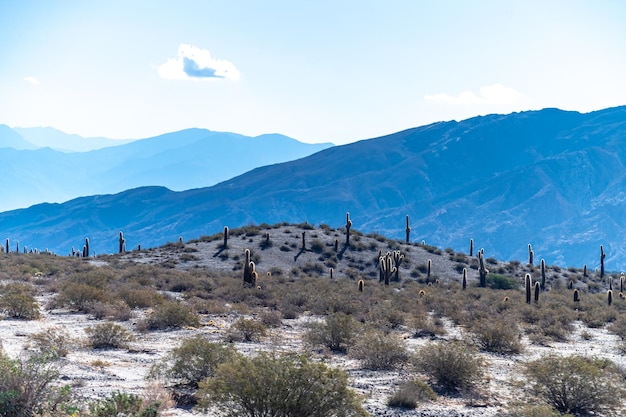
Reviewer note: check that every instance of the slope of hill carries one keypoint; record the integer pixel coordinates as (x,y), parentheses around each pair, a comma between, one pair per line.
(11,139)
(48,137)
(551,178)
(182,160)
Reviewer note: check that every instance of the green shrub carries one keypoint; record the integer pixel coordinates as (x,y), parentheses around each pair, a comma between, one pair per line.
(279,385)
(379,351)
(502,282)
(193,360)
(336,333)
(410,394)
(576,384)
(122,404)
(52,343)
(170,315)
(108,336)
(28,387)
(78,296)
(451,364)
(534,411)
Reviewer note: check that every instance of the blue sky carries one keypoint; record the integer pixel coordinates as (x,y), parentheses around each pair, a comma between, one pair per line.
(317,71)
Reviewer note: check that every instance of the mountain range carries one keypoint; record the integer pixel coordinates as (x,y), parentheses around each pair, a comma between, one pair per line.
(555,179)
(46,165)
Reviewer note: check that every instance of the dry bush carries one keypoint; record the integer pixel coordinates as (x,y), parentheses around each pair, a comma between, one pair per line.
(410,394)
(138,297)
(116,310)
(52,343)
(246,330)
(379,351)
(451,365)
(108,336)
(499,335)
(78,295)
(170,315)
(17,301)
(336,333)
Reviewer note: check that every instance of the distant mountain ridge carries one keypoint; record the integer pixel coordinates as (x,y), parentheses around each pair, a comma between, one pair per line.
(552,178)
(48,137)
(190,158)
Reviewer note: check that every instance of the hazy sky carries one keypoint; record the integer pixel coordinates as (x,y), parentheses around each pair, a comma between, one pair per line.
(317,71)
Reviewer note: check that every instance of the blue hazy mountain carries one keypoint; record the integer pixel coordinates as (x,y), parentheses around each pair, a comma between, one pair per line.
(552,178)
(9,138)
(182,160)
(48,137)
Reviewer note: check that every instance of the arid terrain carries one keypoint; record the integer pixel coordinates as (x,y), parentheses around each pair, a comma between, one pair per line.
(294,289)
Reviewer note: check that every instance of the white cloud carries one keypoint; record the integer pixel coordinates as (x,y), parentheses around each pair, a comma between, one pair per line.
(32,80)
(490,94)
(196,63)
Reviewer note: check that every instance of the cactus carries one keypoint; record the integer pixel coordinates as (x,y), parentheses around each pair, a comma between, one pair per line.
(386,267)
(464,280)
(609,297)
(621,282)
(610,283)
(428,268)
(576,296)
(361,284)
(482,271)
(348,226)
(303,240)
(408,230)
(86,248)
(336,245)
(543,274)
(6,245)
(17,246)
(330,271)
(602,256)
(528,282)
(397,260)
(531,255)
(248,268)
(180,241)
(122,243)
(584,270)
(471,251)
(225,245)
(537,289)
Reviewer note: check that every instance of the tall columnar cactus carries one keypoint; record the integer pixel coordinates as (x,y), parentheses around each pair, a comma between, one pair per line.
(576,296)
(621,282)
(6,246)
(122,243)
(531,255)
(361,285)
(610,282)
(528,283)
(225,245)
(602,256)
(348,226)
(330,272)
(471,251)
(543,274)
(429,266)
(397,260)
(386,267)
(537,290)
(86,248)
(303,240)
(248,267)
(609,297)
(17,246)
(336,245)
(482,271)
(464,280)
(408,230)
(584,270)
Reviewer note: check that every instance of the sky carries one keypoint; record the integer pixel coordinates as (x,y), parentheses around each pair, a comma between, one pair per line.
(317,71)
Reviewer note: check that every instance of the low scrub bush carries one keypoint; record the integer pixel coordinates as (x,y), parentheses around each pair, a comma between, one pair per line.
(108,336)
(52,343)
(502,282)
(170,315)
(498,336)
(410,394)
(279,385)
(18,302)
(451,365)
(379,351)
(193,360)
(336,333)
(576,384)
(122,404)
(246,330)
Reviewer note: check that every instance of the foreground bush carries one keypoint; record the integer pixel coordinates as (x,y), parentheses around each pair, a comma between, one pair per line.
(27,387)
(123,404)
(285,385)
(451,365)
(52,343)
(17,302)
(170,315)
(576,384)
(195,359)
(498,336)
